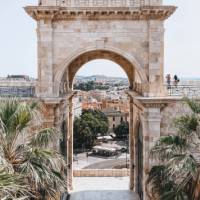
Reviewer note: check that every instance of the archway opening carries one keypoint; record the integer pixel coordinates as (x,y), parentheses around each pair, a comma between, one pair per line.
(70,84)
(101,125)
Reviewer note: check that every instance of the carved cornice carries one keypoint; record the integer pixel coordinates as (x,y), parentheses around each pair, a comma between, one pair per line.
(55,13)
(156,102)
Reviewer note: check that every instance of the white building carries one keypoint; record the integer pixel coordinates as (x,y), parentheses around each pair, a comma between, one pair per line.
(77,106)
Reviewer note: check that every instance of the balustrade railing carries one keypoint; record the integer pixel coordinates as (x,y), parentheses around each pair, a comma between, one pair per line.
(184,90)
(17,91)
(92,3)
(192,91)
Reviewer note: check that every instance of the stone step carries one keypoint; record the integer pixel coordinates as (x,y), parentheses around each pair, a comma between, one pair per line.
(104,195)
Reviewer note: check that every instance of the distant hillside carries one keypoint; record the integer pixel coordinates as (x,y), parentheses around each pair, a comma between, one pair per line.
(100,77)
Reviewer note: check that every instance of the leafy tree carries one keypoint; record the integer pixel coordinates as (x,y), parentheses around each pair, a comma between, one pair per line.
(122,130)
(87,127)
(178,175)
(29,168)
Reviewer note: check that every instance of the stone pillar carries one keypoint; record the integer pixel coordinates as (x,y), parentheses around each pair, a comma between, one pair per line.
(131,145)
(156,58)
(151,120)
(70,143)
(45,58)
(135,147)
(57,125)
(51,119)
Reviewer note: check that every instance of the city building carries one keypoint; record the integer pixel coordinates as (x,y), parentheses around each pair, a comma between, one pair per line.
(94,105)
(17,86)
(116,104)
(77,106)
(115,118)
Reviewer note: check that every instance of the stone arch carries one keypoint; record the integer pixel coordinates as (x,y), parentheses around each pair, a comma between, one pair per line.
(81,56)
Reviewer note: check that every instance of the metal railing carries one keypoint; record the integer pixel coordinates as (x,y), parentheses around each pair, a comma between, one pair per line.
(17,91)
(30,91)
(184,90)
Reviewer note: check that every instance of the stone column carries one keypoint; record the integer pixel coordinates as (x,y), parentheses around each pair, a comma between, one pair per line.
(156,58)
(51,118)
(131,145)
(135,147)
(151,120)
(70,143)
(57,125)
(45,58)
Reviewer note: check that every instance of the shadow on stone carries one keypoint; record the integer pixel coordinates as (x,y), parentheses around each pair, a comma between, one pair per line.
(104,195)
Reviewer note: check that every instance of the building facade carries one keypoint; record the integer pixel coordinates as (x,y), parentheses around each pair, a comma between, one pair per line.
(115,118)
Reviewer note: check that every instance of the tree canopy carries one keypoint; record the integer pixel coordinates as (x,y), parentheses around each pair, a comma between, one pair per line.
(88,126)
(91,85)
(122,130)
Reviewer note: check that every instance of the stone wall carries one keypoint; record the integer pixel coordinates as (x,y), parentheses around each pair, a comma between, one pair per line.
(168,115)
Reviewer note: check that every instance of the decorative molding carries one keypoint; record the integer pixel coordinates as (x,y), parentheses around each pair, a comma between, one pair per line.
(56,13)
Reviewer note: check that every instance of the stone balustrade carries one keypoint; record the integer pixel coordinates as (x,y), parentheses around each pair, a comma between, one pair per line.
(30,88)
(17,91)
(101,173)
(100,3)
(192,91)
(92,3)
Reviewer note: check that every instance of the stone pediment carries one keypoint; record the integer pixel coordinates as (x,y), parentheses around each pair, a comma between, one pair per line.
(94,13)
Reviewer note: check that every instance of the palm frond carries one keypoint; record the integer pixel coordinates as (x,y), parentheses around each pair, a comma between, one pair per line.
(179,176)
(12,185)
(45,168)
(36,168)
(194,105)
(44,137)
(187,124)
(167,146)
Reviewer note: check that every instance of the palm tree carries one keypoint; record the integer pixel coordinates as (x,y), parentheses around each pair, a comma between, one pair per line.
(29,167)
(177,177)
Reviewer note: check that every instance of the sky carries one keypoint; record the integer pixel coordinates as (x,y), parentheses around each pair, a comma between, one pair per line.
(18,42)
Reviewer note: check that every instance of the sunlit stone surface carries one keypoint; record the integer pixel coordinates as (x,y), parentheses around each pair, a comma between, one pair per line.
(102,189)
